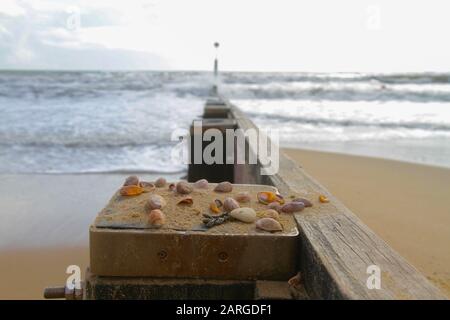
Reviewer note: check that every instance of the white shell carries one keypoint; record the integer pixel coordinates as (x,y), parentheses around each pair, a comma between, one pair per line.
(183,187)
(242,197)
(247,215)
(268,224)
(224,187)
(229,204)
(155,202)
(201,184)
(160,182)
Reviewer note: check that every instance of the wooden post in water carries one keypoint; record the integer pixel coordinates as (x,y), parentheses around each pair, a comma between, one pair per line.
(199,168)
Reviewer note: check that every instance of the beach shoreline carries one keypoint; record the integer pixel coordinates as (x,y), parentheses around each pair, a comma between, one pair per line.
(44,227)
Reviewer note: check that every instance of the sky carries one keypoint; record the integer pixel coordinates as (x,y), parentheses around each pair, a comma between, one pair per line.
(254,35)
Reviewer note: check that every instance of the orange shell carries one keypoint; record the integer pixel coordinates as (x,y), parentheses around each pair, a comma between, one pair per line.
(323,199)
(186,201)
(279,199)
(266,197)
(131,190)
(214,206)
(156,218)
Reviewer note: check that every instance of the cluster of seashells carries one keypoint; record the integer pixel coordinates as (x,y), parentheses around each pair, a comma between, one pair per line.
(155,204)
(232,208)
(267,220)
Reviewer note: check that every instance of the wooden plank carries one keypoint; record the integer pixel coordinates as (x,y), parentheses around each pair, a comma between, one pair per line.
(336,247)
(135,288)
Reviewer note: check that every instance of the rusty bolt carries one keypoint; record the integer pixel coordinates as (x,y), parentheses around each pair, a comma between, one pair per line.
(162,254)
(223,256)
(63,293)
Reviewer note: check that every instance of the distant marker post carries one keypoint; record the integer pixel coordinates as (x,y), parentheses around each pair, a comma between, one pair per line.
(216,68)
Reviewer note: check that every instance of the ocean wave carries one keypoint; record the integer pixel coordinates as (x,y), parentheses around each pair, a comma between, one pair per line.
(367,92)
(111,122)
(266,77)
(317,121)
(335,86)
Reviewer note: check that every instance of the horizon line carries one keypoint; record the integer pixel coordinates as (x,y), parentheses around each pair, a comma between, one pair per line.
(211,71)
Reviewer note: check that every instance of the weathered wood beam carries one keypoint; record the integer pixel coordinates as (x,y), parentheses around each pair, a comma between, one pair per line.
(336,246)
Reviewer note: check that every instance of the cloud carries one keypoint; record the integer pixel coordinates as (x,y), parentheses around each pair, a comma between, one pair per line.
(55,35)
(11,8)
(276,35)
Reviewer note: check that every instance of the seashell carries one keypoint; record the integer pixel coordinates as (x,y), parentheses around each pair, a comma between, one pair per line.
(306,202)
(155,202)
(269,224)
(323,199)
(292,207)
(160,182)
(172,187)
(224,187)
(279,199)
(242,197)
(266,197)
(201,184)
(131,181)
(295,281)
(147,185)
(131,190)
(215,205)
(183,187)
(186,201)
(274,206)
(247,215)
(230,204)
(156,218)
(269,213)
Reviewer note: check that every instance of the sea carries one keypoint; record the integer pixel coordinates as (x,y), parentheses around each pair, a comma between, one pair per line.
(61,122)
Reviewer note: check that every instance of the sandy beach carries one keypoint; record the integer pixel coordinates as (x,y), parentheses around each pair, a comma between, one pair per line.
(26,272)
(43,227)
(406,204)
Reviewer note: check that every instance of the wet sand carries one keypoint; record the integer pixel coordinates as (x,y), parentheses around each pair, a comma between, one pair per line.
(24,273)
(44,221)
(406,204)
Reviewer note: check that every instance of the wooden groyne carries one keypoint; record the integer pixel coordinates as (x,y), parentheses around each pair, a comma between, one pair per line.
(336,247)
(334,251)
